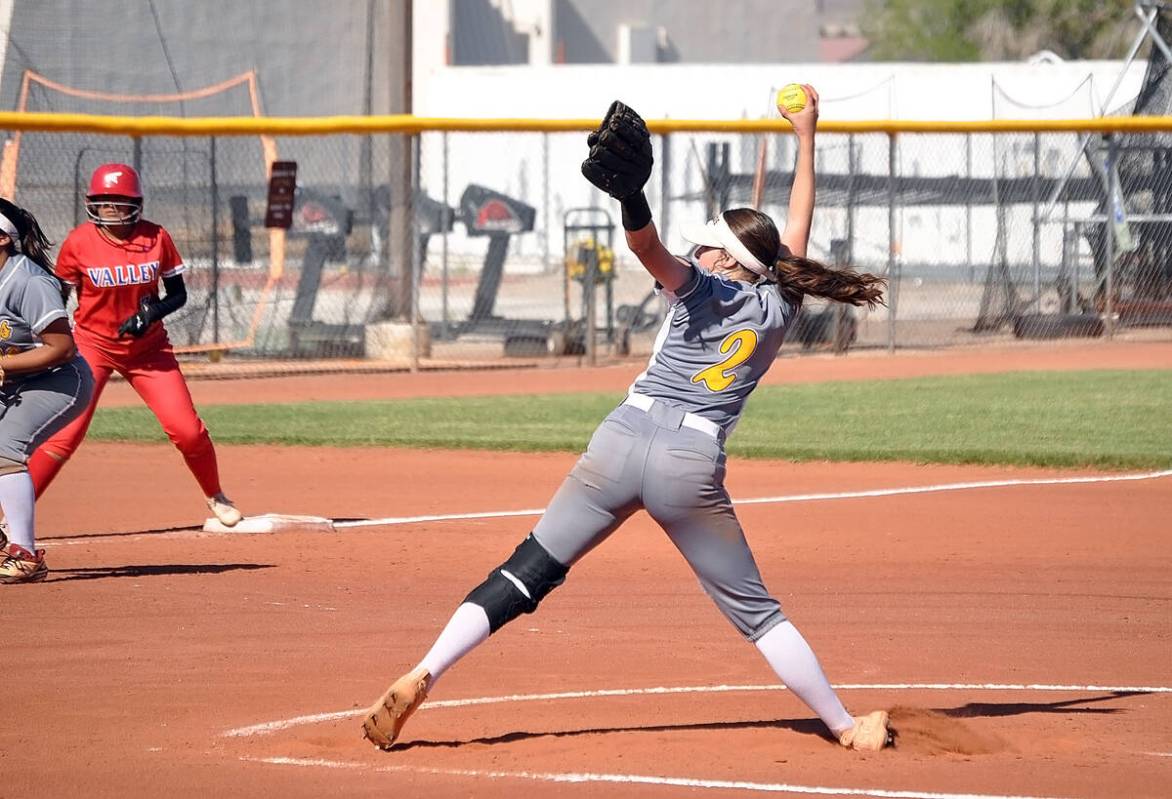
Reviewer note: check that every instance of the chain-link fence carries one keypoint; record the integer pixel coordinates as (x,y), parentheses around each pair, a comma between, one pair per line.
(484,245)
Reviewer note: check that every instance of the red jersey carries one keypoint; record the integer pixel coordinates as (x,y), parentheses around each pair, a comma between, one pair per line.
(110,279)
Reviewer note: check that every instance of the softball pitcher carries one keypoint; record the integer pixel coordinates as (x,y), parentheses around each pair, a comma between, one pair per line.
(115,262)
(44,383)
(662,449)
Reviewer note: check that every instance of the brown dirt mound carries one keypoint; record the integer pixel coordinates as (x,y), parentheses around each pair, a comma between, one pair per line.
(929,732)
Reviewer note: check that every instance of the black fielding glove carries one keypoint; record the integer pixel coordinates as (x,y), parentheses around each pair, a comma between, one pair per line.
(620,158)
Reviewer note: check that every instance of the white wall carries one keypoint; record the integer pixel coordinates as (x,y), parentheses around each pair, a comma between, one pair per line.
(849,91)
(514,163)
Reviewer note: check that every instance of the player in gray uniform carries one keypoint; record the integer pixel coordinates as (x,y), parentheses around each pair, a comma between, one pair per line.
(662,449)
(44,384)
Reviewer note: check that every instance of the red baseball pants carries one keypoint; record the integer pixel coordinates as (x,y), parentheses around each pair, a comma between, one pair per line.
(156,377)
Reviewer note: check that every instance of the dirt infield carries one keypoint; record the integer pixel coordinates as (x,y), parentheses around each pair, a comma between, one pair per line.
(1020,633)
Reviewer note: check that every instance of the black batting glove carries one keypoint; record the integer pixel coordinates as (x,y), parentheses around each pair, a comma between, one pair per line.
(137,325)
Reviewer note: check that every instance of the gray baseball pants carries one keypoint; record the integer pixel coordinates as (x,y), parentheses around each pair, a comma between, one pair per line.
(652,460)
(40,405)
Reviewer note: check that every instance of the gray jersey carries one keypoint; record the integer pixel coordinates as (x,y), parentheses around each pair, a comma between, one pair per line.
(30,300)
(719,339)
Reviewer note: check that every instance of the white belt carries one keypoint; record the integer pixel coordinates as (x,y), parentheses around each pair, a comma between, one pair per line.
(694,421)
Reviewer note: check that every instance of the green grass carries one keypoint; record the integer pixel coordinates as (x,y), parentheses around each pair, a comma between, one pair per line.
(1108,419)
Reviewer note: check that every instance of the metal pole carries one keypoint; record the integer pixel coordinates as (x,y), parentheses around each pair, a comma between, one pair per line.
(845,254)
(892,261)
(1109,244)
(215,247)
(416,255)
(1036,255)
(1075,258)
(759,175)
(400,224)
(545,266)
(566,272)
(968,208)
(590,291)
(366,152)
(852,168)
(444,241)
(77,182)
(664,186)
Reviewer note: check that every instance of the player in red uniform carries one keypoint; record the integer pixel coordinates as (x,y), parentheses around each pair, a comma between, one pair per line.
(115,262)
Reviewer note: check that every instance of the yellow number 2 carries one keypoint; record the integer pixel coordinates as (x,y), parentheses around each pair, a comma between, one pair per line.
(719,376)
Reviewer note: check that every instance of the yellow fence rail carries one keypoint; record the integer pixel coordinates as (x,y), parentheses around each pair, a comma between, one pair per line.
(406,123)
(473,232)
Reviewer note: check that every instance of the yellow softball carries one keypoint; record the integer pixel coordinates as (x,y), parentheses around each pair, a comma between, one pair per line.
(791,97)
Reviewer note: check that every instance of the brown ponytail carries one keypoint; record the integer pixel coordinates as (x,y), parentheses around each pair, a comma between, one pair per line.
(799,276)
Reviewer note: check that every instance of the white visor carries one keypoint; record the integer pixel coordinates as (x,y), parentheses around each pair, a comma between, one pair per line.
(716,233)
(9,229)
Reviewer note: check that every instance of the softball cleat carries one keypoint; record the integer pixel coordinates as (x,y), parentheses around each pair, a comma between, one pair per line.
(22,566)
(870,733)
(386,717)
(224,510)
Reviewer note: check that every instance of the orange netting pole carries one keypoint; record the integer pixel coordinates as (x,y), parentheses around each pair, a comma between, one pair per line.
(10,159)
(276,235)
(11,155)
(194,94)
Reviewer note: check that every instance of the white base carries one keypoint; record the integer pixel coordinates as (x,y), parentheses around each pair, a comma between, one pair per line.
(272,523)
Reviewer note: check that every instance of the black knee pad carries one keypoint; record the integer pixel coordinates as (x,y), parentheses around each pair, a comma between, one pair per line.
(518,584)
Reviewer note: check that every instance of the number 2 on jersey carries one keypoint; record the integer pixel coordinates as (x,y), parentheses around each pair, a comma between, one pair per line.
(717,377)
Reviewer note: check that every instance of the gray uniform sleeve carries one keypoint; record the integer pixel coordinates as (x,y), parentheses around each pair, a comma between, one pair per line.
(41,304)
(692,293)
(709,298)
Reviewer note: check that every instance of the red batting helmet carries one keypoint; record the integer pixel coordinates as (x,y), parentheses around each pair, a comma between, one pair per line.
(114,181)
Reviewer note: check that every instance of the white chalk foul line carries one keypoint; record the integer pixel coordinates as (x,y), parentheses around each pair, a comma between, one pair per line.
(633,779)
(268,727)
(439,517)
(878,492)
(506,514)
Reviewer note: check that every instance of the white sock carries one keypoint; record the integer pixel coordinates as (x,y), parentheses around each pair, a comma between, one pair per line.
(18,501)
(796,665)
(466,630)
